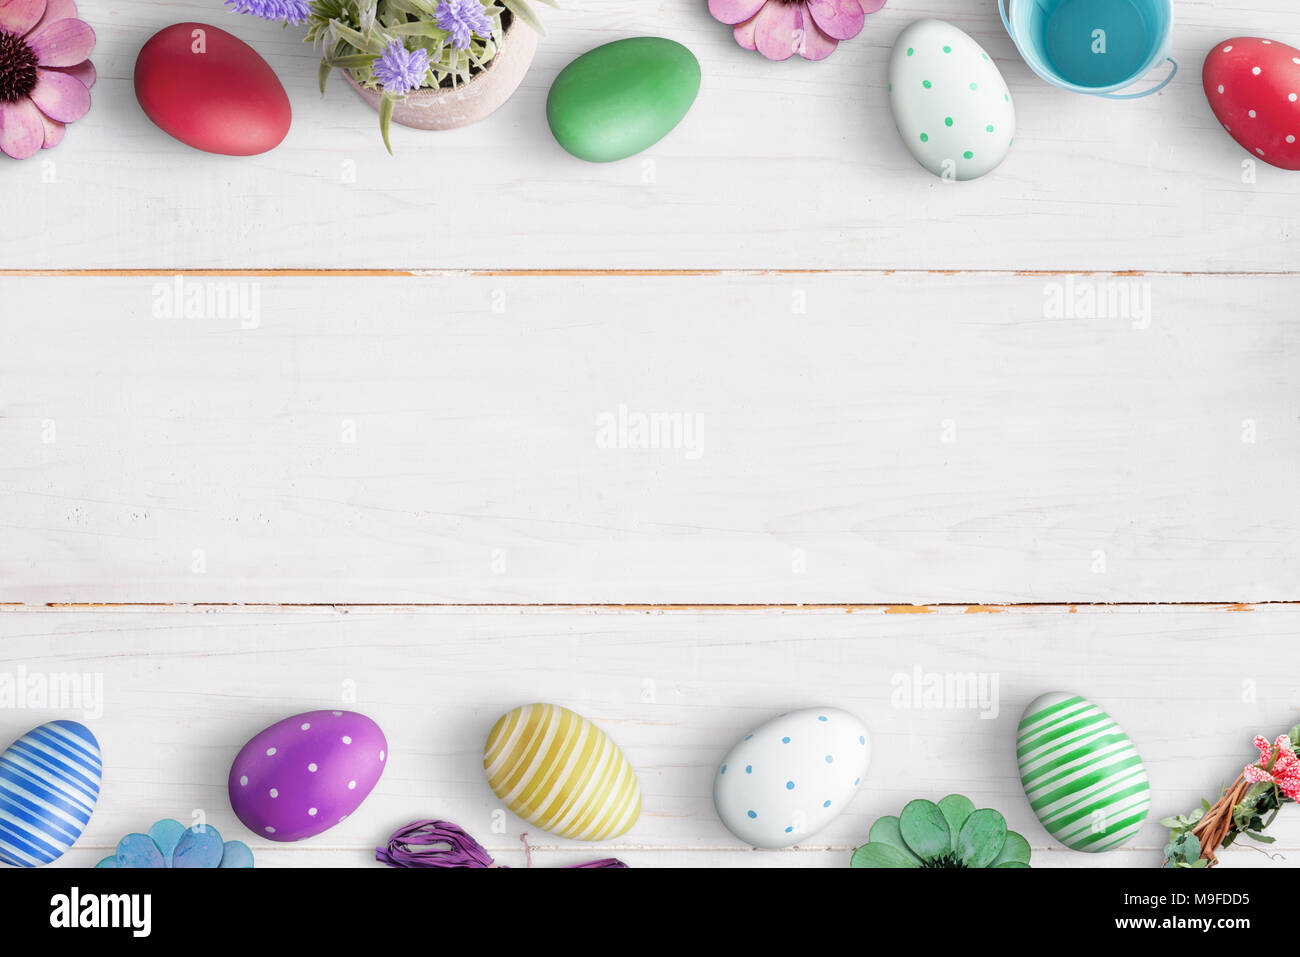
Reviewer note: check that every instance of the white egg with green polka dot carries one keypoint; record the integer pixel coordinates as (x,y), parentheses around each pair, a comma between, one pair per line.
(784,781)
(951,106)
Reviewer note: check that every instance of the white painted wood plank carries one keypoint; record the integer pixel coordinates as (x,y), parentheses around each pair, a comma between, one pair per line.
(778,165)
(1255,856)
(844,438)
(183,688)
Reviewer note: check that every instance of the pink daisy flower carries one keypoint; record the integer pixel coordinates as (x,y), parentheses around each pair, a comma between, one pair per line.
(1277,764)
(779,29)
(45,73)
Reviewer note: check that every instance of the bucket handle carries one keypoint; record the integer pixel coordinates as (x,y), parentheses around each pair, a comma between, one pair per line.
(1006,22)
(1155,89)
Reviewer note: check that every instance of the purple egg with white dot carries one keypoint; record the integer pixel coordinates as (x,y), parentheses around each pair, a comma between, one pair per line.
(303,775)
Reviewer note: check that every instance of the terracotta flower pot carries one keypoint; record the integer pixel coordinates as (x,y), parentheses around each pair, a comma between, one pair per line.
(448,109)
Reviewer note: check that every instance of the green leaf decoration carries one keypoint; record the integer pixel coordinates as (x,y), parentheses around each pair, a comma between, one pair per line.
(956,809)
(949,834)
(925,829)
(881,855)
(886,831)
(981,838)
(323,74)
(1015,851)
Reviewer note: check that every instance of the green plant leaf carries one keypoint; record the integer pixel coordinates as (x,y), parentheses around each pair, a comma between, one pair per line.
(1012,864)
(352,61)
(369,44)
(1015,850)
(1262,838)
(981,838)
(386,119)
(885,831)
(521,9)
(880,855)
(419,29)
(956,808)
(925,829)
(323,74)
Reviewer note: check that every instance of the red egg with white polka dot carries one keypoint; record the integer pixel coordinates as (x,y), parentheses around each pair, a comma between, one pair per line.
(303,775)
(1253,86)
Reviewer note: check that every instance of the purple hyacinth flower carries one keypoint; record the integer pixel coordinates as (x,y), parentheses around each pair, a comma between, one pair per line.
(461,18)
(399,70)
(284,11)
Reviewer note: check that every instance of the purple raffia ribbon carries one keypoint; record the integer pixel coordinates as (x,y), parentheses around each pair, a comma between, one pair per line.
(443,844)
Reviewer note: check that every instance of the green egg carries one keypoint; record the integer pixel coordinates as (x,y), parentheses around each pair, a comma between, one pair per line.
(621,98)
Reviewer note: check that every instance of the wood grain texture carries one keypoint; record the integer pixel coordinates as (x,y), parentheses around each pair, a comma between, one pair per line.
(886,406)
(183,688)
(846,438)
(778,165)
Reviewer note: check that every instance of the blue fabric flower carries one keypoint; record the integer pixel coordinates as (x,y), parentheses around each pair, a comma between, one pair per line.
(286,11)
(400,70)
(171,844)
(461,19)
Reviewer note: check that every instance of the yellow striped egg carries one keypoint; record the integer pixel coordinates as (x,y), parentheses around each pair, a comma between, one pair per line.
(560,772)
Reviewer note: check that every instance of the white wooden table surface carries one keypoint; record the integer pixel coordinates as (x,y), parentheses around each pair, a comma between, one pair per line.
(406,472)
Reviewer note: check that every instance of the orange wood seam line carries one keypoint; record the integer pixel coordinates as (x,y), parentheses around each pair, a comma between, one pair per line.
(434,272)
(847,607)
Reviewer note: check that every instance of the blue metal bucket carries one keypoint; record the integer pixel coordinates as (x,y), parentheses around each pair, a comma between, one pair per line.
(1093,46)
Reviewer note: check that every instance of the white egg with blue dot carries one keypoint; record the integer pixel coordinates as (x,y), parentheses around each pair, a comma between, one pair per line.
(786,780)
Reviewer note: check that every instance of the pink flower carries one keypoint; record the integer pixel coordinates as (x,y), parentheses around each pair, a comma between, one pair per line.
(779,29)
(1277,764)
(45,73)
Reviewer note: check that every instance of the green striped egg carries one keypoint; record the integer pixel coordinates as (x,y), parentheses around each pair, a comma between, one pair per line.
(1081,773)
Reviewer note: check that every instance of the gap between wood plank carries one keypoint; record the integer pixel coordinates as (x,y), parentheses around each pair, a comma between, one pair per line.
(479,273)
(969,608)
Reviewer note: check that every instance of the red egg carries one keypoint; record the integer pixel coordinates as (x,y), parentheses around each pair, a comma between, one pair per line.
(211,91)
(1253,86)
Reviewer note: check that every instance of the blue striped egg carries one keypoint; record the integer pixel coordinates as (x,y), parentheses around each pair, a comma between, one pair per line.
(49,782)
